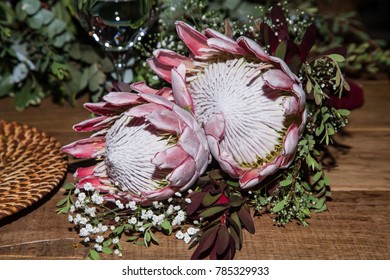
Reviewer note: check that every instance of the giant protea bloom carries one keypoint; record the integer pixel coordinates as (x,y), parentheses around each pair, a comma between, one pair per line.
(147,147)
(250,104)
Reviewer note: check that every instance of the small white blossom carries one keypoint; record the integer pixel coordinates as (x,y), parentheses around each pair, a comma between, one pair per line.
(170,210)
(192,230)
(88,187)
(72,209)
(115,240)
(70,218)
(116,252)
(132,220)
(98,247)
(81,197)
(188,200)
(112,227)
(76,191)
(177,208)
(179,235)
(97,199)
(119,204)
(117,218)
(99,239)
(178,194)
(86,239)
(84,232)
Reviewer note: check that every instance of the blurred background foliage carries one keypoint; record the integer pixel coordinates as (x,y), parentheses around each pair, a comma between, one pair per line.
(44,53)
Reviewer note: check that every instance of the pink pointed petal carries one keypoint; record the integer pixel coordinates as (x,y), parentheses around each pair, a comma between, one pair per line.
(90,124)
(120,86)
(254,48)
(166,93)
(301,96)
(85,148)
(82,172)
(157,100)
(191,182)
(141,87)
(271,168)
(170,158)
(291,140)
(182,174)
(166,120)
(290,105)
(250,179)
(102,108)
(226,46)
(195,41)
(277,79)
(225,163)
(144,109)
(121,98)
(285,68)
(189,142)
(94,181)
(171,58)
(180,91)
(162,70)
(215,126)
(303,122)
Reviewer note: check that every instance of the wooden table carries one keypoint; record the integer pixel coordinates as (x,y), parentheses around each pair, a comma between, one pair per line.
(357,225)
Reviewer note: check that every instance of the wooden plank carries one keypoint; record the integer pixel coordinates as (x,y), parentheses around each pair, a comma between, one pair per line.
(356,227)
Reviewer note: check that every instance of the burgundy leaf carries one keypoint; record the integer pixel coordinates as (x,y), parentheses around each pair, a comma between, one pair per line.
(308,41)
(246,219)
(279,19)
(222,241)
(196,201)
(352,99)
(205,243)
(236,238)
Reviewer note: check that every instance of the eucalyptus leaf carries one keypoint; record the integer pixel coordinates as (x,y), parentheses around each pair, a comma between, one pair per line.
(94,254)
(278,207)
(30,6)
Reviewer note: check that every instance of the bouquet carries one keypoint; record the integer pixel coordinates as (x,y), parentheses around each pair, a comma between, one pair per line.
(238,130)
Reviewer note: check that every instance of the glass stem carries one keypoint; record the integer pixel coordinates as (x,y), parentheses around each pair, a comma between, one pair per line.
(119,60)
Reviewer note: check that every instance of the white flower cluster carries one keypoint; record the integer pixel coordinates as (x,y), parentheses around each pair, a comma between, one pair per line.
(129,216)
(187,235)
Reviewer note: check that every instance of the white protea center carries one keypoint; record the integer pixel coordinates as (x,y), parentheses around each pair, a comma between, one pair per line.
(131,143)
(254,118)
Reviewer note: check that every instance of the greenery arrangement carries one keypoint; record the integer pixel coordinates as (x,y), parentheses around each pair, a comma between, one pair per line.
(44,52)
(213,214)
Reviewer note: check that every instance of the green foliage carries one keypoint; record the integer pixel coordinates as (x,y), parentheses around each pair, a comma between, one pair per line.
(36,58)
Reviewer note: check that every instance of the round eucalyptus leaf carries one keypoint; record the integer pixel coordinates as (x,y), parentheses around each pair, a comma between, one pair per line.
(30,6)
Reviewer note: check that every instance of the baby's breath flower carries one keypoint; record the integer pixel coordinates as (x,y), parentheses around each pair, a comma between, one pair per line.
(99,239)
(98,247)
(179,235)
(115,240)
(132,220)
(84,232)
(117,219)
(70,218)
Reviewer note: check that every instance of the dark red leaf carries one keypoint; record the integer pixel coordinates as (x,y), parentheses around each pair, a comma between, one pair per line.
(206,241)
(279,20)
(352,99)
(222,241)
(196,201)
(234,235)
(308,41)
(246,219)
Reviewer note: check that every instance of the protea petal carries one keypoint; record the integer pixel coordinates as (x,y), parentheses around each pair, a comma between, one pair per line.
(170,158)
(85,148)
(144,110)
(90,125)
(161,69)
(182,174)
(195,41)
(82,172)
(181,94)
(121,99)
(166,120)
(141,87)
(102,108)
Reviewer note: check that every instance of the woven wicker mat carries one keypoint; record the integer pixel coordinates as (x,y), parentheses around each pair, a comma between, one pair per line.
(31,165)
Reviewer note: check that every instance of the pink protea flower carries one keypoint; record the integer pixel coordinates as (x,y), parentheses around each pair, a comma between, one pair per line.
(250,104)
(147,147)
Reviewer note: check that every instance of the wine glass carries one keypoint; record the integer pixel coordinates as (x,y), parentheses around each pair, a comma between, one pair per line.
(117,25)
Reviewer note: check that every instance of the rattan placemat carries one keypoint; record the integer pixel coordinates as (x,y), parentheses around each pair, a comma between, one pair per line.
(31,165)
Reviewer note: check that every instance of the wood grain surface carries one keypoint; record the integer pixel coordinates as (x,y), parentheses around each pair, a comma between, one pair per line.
(357,225)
